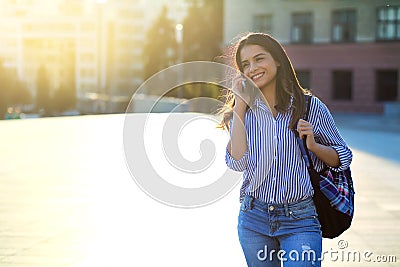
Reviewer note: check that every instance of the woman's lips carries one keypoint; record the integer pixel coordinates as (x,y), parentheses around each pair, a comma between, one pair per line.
(257,76)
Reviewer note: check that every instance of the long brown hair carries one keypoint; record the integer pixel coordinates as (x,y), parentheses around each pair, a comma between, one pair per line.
(289,92)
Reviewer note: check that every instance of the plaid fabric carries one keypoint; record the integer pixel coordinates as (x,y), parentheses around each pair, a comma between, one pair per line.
(338,188)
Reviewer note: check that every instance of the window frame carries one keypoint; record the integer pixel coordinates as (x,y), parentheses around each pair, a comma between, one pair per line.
(349,24)
(306,29)
(304,77)
(259,25)
(379,97)
(384,22)
(342,95)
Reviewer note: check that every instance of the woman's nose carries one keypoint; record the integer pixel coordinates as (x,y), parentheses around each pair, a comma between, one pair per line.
(252,66)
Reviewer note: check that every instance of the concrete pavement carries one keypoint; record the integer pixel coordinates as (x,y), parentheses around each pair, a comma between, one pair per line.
(67,199)
(375,141)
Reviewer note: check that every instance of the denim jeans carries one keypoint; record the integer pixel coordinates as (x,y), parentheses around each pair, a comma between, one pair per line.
(273,233)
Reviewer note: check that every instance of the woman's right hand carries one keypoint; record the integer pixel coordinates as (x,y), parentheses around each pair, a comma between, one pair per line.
(238,143)
(242,96)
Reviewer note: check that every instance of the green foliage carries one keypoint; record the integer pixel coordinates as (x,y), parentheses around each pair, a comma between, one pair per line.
(202,30)
(197,89)
(64,98)
(193,90)
(42,90)
(202,39)
(160,50)
(13,92)
(20,95)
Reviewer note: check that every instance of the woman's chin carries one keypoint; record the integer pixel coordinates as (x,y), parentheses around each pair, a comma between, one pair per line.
(260,83)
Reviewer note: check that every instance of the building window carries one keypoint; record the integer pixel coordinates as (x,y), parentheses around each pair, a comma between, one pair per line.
(343,25)
(302,28)
(386,85)
(388,23)
(262,23)
(342,85)
(304,78)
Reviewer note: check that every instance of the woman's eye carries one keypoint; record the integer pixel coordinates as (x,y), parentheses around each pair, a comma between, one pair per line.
(259,59)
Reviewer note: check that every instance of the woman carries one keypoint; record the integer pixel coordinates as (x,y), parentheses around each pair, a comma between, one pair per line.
(277,220)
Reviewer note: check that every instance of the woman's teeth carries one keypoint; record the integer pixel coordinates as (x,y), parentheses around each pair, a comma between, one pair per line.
(255,77)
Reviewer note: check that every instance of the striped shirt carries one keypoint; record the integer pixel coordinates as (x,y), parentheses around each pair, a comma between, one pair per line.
(273,168)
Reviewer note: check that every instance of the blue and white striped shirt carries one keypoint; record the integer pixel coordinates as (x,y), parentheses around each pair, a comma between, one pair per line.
(273,168)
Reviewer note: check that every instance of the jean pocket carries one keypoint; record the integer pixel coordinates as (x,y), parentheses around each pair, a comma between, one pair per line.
(306,213)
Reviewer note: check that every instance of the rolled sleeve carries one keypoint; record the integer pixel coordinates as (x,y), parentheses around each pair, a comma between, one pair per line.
(236,165)
(345,157)
(329,135)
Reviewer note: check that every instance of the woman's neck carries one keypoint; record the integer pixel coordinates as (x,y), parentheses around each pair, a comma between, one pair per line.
(269,94)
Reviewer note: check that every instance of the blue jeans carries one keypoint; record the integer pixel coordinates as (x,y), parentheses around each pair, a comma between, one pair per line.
(273,233)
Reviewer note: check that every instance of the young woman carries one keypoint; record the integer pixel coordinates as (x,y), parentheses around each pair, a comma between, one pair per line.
(277,220)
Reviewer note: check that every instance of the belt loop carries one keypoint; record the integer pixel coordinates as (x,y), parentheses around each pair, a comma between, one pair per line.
(247,203)
(286,206)
(251,202)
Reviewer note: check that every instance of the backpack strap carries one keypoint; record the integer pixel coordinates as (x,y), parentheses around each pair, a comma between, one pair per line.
(308,105)
(303,142)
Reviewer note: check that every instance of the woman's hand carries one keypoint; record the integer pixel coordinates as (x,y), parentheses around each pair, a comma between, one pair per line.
(325,153)
(242,96)
(238,143)
(307,129)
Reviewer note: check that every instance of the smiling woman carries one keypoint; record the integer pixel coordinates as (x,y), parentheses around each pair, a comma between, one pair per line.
(260,66)
(277,209)
(289,90)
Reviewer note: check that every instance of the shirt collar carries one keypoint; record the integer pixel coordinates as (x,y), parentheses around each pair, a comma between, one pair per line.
(259,103)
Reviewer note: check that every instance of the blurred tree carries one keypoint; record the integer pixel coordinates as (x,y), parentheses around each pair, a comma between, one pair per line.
(215,12)
(64,97)
(202,40)
(202,30)
(160,50)
(20,94)
(5,89)
(43,91)
(13,92)
(201,89)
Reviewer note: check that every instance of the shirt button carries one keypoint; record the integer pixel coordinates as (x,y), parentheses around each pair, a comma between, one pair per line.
(271,208)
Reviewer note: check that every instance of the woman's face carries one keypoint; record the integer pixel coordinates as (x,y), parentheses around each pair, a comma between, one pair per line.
(258,65)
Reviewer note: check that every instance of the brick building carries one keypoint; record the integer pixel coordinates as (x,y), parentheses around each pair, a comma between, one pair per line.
(346,51)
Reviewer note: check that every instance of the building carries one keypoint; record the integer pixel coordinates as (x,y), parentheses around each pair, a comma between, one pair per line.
(99,41)
(346,51)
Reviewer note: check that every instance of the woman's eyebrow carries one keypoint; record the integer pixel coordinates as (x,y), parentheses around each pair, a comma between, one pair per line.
(259,54)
